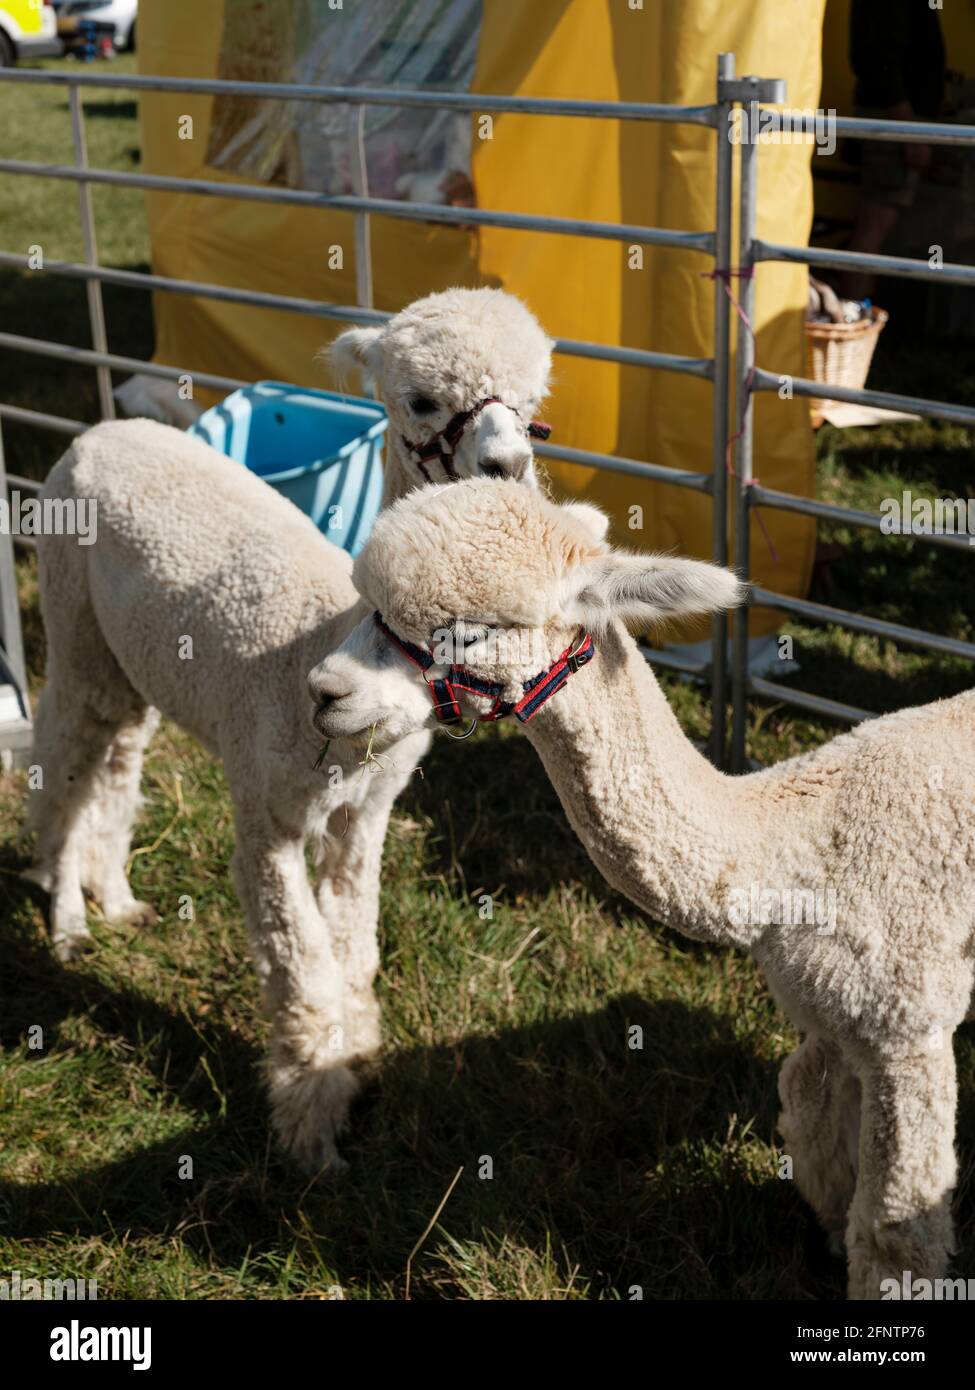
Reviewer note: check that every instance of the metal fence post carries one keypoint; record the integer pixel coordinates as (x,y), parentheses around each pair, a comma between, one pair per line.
(96,309)
(719,425)
(745,364)
(360,187)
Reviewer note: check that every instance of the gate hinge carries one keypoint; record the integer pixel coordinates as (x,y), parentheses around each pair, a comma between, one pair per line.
(771,90)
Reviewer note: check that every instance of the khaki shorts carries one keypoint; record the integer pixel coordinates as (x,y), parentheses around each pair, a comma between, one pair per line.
(884,174)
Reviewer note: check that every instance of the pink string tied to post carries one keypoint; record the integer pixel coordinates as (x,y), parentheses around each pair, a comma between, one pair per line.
(726,276)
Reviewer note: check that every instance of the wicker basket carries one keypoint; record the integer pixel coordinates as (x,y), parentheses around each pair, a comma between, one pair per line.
(839,354)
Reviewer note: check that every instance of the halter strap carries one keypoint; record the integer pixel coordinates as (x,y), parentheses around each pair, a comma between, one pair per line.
(535,692)
(441,445)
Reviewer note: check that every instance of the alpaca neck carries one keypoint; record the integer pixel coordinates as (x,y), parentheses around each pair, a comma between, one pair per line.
(659,821)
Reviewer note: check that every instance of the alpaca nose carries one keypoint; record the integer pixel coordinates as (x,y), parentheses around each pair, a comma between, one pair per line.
(510,463)
(324,698)
(324,689)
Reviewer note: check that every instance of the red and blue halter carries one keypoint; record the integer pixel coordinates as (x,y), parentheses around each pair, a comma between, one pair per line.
(443,689)
(441,445)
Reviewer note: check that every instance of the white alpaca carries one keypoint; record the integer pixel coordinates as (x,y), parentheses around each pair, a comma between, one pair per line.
(866,845)
(470,365)
(208,597)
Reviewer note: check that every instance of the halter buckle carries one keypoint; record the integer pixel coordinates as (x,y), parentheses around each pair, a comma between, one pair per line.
(578,659)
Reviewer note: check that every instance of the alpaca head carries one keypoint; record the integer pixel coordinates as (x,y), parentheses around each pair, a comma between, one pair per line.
(491,576)
(440,358)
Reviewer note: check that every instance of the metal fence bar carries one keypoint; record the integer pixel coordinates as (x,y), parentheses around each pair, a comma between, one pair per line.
(387,207)
(66,353)
(699,482)
(672,661)
(852,516)
(374,96)
(93,289)
(861,128)
(817,704)
(39,418)
(745,364)
(859,622)
(199,289)
(638,357)
(344,313)
(636,468)
(866,128)
(724,173)
(886,400)
(901,266)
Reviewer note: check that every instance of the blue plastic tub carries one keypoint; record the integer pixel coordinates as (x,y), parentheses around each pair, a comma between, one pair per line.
(321,450)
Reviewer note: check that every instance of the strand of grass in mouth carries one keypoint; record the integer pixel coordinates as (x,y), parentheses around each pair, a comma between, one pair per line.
(371,759)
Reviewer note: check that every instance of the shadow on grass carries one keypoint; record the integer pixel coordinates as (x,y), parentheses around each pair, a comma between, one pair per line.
(499,819)
(621,1159)
(109,110)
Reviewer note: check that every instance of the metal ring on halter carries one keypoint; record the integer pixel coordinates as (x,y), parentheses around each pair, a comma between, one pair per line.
(458,737)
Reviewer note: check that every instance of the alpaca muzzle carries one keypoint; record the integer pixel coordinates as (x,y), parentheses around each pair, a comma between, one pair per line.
(535,692)
(441,447)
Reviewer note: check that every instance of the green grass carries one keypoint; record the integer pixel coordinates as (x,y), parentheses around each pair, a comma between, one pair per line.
(506,1038)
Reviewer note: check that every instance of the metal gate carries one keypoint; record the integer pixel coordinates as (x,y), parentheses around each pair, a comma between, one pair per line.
(723,484)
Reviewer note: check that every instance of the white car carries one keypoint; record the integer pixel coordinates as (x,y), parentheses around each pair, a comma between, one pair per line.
(120,13)
(27,30)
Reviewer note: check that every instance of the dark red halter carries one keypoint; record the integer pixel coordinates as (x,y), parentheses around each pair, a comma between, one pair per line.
(443,689)
(441,445)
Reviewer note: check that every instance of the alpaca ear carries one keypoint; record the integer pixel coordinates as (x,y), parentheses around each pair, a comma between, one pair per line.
(595,521)
(648,588)
(355,350)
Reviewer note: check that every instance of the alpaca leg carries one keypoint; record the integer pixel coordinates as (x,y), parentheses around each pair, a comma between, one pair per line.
(900,1218)
(310,1084)
(819,1123)
(115,802)
(72,738)
(348,897)
(85,705)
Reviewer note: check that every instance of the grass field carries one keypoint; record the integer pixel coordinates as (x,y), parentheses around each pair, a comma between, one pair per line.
(506,1038)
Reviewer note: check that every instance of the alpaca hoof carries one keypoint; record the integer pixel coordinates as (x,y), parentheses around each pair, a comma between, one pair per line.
(324,1165)
(122,910)
(310,1108)
(70,946)
(315,1155)
(139,915)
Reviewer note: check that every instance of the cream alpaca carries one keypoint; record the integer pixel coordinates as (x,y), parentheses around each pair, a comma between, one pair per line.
(441,356)
(209,597)
(879,820)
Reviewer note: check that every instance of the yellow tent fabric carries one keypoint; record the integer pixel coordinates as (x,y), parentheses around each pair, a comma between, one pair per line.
(580,288)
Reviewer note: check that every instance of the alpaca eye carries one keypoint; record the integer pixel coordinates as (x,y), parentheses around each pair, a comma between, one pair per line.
(469,635)
(422,405)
